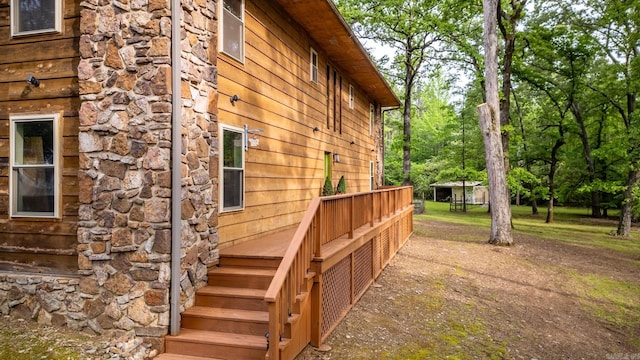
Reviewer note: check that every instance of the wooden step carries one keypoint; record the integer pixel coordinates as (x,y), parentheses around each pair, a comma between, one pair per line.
(226,320)
(262,262)
(221,345)
(241,277)
(232,298)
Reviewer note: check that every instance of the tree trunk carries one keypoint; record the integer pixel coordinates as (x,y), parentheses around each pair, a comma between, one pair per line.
(406,116)
(552,173)
(489,120)
(498,193)
(624,224)
(586,149)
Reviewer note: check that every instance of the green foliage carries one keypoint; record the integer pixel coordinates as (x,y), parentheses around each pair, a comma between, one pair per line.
(327,189)
(523,182)
(342,186)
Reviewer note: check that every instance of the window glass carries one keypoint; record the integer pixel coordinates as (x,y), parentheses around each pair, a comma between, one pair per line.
(232,169)
(351,97)
(34,16)
(314,66)
(233,29)
(33,168)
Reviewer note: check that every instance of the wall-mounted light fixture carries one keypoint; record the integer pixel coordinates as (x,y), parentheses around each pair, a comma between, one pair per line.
(352,142)
(315,129)
(254,141)
(234,98)
(336,158)
(33,81)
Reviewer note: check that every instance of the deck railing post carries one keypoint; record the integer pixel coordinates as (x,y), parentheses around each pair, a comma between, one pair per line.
(322,231)
(372,207)
(351,216)
(273,340)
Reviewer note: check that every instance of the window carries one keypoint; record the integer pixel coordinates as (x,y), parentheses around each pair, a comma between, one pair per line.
(232,194)
(372,183)
(372,118)
(232,28)
(351,97)
(35,16)
(35,166)
(313,61)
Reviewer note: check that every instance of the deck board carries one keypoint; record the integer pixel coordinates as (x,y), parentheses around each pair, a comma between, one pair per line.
(268,246)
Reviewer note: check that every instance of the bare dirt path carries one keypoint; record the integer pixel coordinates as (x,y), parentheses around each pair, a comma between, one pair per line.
(448,294)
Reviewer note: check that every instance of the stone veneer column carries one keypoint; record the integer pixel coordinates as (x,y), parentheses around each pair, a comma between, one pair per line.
(124,236)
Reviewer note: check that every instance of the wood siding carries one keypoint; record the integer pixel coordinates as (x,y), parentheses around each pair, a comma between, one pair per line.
(41,245)
(286,169)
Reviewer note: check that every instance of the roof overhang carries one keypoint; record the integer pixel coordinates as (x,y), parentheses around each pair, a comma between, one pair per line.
(322,20)
(456,184)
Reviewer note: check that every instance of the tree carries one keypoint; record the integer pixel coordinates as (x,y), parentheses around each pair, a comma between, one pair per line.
(406,27)
(489,121)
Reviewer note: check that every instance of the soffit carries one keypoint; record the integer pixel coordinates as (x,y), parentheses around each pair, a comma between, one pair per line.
(322,20)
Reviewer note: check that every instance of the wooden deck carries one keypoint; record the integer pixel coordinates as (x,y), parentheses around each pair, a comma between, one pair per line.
(271,296)
(269,246)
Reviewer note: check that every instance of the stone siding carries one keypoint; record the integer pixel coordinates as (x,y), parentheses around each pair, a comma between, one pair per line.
(124,229)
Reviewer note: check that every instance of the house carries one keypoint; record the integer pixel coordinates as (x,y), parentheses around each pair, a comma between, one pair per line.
(141,140)
(472,191)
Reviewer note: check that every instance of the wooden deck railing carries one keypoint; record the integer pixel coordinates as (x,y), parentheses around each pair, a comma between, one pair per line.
(327,219)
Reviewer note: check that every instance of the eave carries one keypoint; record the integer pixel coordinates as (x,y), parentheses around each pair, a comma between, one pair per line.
(323,22)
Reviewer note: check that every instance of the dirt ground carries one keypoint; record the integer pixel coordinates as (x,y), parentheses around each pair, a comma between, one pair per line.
(456,297)
(449,295)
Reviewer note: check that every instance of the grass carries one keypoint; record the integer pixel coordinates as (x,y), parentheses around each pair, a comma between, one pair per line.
(30,342)
(613,302)
(571,225)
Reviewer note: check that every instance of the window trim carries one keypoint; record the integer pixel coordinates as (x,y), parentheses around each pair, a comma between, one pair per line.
(14,6)
(57,165)
(371,176)
(313,67)
(352,97)
(221,31)
(221,206)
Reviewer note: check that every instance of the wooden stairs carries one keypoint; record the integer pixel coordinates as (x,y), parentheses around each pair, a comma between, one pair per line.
(230,318)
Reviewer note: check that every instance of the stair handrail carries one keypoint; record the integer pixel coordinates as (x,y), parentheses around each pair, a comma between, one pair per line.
(307,241)
(290,276)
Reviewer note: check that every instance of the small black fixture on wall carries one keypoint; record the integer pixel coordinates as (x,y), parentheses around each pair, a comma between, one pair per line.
(234,98)
(33,81)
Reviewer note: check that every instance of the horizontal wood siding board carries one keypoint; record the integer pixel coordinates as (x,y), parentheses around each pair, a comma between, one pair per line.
(40,263)
(43,50)
(69,106)
(49,89)
(39,244)
(70,29)
(285,169)
(269,210)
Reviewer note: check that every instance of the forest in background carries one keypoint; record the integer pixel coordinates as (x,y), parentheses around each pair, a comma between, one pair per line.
(569,80)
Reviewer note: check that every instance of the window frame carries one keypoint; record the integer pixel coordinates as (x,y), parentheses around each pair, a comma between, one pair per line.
(371,176)
(221,17)
(15,18)
(223,128)
(313,65)
(352,97)
(57,165)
